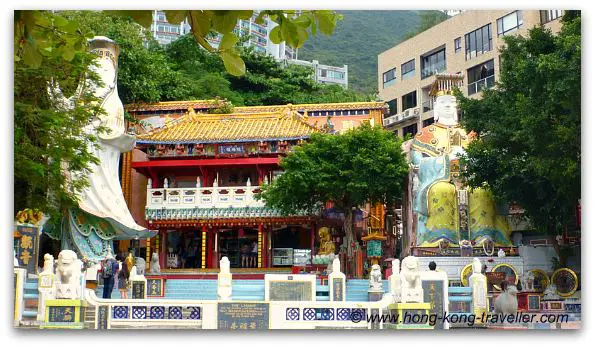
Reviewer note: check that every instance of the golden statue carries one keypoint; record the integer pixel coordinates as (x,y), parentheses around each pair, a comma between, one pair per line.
(327,246)
(130,261)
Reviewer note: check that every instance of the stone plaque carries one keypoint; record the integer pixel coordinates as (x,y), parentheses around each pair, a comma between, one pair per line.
(138,289)
(102,314)
(434,294)
(244,316)
(62,314)
(155,287)
(338,289)
(290,291)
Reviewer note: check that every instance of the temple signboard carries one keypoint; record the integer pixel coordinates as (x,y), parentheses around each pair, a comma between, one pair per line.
(138,289)
(26,250)
(242,316)
(433,294)
(290,291)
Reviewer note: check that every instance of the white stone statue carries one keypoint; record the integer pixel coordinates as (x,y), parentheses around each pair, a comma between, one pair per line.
(551,292)
(68,275)
(501,253)
(507,302)
(395,281)
(140,265)
(479,283)
(375,283)
(104,197)
(411,290)
(224,280)
(154,267)
(46,285)
(528,281)
(133,273)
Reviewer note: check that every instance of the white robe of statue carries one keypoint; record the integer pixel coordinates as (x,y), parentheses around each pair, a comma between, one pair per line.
(104,197)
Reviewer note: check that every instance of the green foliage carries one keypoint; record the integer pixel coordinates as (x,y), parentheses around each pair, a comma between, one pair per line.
(49,136)
(144,73)
(365,164)
(292,28)
(530,127)
(357,41)
(266,81)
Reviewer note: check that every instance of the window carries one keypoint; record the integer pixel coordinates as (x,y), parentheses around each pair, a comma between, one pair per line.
(433,63)
(408,69)
(428,121)
(480,76)
(478,42)
(392,107)
(409,100)
(322,73)
(337,75)
(389,78)
(410,130)
(510,22)
(550,15)
(457,45)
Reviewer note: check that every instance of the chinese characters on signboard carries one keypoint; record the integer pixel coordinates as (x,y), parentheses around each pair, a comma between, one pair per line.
(231,149)
(242,316)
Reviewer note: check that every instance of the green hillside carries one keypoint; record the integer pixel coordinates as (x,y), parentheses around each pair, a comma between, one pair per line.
(357,41)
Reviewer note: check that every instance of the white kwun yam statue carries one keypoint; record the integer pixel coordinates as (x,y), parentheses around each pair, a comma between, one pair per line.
(46,285)
(507,302)
(551,292)
(224,280)
(411,290)
(375,283)
(395,281)
(69,275)
(154,267)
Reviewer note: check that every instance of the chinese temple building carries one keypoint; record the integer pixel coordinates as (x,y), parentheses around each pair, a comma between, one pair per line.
(193,176)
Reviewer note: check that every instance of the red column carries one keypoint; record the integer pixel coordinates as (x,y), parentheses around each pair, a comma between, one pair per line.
(210,248)
(260,246)
(215,248)
(312,239)
(163,248)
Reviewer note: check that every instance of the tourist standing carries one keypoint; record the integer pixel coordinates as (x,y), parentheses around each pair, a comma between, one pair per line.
(123,275)
(109,267)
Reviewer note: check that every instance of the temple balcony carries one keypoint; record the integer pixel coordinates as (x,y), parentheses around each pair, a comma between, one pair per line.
(203,197)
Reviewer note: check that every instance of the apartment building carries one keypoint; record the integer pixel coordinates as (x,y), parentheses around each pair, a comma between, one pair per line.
(165,32)
(467,43)
(325,74)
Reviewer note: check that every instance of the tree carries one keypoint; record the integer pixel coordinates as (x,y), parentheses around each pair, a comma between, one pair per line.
(292,27)
(365,164)
(529,148)
(144,71)
(48,137)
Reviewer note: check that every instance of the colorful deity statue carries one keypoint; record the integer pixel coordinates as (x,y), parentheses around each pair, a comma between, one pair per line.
(446,212)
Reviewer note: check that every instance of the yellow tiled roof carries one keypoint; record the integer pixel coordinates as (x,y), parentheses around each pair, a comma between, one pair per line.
(211,128)
(173,105)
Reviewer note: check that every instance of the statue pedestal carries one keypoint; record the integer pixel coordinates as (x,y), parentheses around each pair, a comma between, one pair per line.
(224,286)
(375,295)
(64,314)
(411,315)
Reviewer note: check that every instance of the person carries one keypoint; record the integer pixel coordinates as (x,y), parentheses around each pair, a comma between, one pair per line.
(109,267)
(254,254)
(245,253)
(432,266)
(123,275)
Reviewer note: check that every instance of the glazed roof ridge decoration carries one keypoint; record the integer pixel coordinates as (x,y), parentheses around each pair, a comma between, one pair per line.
(212,128)
(214,103)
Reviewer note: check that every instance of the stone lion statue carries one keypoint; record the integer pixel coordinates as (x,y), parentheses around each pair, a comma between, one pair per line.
(140,265)
(154,267)
(411,290)
(375,283)
(68,275)
(506,302)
